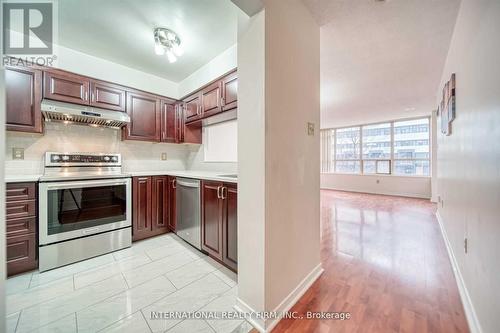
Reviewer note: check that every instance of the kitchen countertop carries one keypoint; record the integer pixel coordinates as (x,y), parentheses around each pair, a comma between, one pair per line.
(21,178)
(207,175)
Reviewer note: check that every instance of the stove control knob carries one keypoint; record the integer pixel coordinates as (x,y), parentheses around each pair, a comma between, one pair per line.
(114,159)
(65,158)
(55,157)
(106,158)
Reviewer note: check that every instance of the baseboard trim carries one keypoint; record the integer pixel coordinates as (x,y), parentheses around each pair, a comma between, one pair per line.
(470,313)
(288,302)
(395,194)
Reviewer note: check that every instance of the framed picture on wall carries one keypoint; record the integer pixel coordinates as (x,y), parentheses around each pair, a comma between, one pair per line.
(452,99)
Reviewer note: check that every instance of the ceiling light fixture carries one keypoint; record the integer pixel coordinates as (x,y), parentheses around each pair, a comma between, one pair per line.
(167,42)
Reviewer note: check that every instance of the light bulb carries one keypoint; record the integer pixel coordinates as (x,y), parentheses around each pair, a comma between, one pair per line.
(171,56)
(178,50)
(159,49)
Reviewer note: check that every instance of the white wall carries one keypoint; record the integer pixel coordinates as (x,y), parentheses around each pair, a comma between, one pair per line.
(137,156)
(292,157)
(278,199)
(251,157)
(417,187)
(85,64)
(2,200)
(223,63)
(469,160)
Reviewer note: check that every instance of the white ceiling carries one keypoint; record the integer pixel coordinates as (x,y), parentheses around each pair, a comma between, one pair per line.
(381,60)
(122,31)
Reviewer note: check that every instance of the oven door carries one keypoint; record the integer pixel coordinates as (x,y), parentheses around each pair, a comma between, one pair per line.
(74,209)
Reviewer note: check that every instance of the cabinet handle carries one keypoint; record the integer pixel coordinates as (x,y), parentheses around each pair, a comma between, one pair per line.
(85,98)
(218,192)
(224,189)
(174,181)
(222,101)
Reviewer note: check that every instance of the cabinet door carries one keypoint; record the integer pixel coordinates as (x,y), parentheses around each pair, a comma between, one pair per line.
(230,226)
(192,108)
(145,117)
(172,218)
(230,92)
(168,122)
(211,219)
(211,99)
(141,207)
(23,95)
(179,123)
(21,253)
(107,95)
(160,204)
(66,87)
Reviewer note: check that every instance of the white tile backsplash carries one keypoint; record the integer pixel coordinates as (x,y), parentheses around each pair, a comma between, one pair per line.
(137,155)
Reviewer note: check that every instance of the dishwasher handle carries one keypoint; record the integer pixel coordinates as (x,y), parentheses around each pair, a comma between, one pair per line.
(182,183)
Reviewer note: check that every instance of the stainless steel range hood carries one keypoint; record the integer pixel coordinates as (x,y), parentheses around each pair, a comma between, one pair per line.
(85,115)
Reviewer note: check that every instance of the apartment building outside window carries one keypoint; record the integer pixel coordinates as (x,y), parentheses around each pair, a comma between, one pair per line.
(399,147)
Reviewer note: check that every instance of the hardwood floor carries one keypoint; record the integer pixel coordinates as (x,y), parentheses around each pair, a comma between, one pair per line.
(386,263)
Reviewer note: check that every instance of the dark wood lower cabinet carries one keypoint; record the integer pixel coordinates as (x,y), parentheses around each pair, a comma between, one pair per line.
(160,205)
(172,202)
(211,219)
(21,228)
(141,207)
(219,222)
(150,207)
(230,226)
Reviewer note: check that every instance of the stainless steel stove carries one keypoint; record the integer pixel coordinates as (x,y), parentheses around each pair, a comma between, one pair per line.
(85,208)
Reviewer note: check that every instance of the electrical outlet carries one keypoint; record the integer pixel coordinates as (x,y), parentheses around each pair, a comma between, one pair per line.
(310,129)
(466,245)
(18,153)
(163,156)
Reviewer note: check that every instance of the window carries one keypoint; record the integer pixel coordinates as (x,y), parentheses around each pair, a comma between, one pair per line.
(411,147)
(376,148)
(399,147)
(347,152)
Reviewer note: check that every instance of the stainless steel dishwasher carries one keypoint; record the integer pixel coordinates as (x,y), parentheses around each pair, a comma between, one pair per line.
(188,211)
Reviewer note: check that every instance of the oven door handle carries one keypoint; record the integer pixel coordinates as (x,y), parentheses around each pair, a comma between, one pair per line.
(86,183)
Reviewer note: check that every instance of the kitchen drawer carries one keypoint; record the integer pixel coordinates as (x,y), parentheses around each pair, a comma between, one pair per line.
(21,253)
(20,191)
(21,226)
(18,209)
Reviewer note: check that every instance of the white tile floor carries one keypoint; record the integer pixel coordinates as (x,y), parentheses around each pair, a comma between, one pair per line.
(117,292)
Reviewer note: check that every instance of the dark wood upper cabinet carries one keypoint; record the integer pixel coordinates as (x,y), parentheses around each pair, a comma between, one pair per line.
(211,99)
(211,219)
(179,123)
(141,207)
(230,91)
(23,94)
(172,209)
(169,122)
(107,95)
(160,204)
(230,226)
(145,117)
(192,107)
(66,87)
